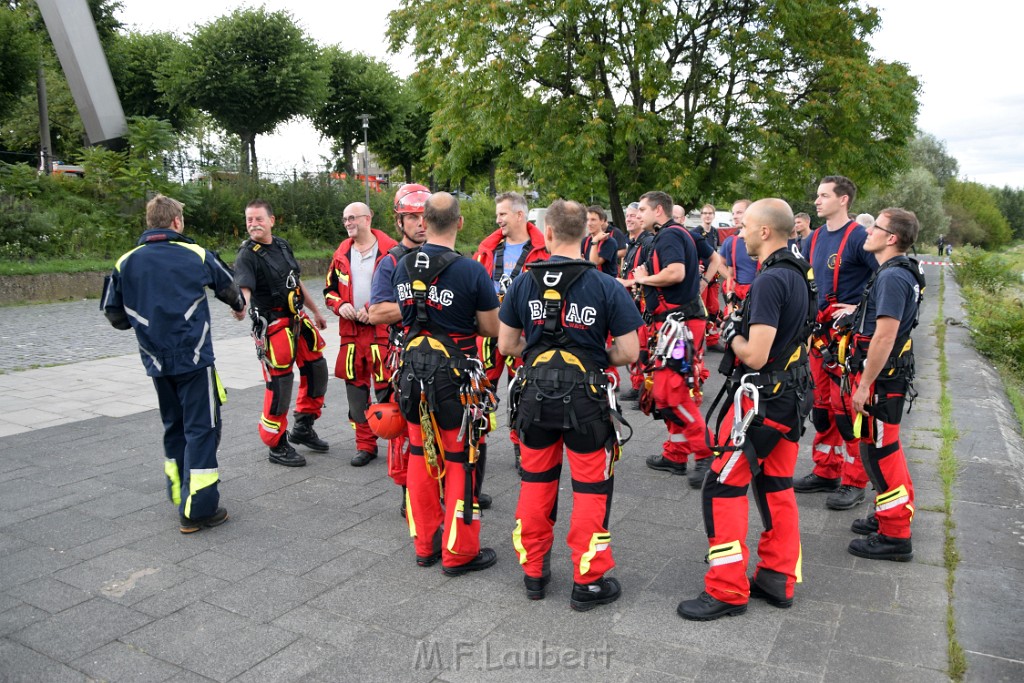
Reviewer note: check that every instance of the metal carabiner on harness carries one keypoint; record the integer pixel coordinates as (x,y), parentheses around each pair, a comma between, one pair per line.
(671,332)
(740,420)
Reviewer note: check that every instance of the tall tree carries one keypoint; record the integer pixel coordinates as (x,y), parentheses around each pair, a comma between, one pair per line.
(975,217)
(357,84)
(1011,204)
(136,60)
(930,152)
(683,95)
(405,143)
(19,57)
(250,70)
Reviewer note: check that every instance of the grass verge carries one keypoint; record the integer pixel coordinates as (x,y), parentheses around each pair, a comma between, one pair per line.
(956,657)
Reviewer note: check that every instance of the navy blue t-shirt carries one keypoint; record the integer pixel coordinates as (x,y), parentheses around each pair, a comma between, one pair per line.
(595,306)
(608,251)
(381,289)
(621,238)
(893,295)
(452,299)
(855,264)
(778,298)
(745,267)
(673,244)
(704,248)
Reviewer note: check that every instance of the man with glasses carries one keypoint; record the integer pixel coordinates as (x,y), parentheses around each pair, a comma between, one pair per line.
(882,368)
(712,288)
(363,346)
(269,276)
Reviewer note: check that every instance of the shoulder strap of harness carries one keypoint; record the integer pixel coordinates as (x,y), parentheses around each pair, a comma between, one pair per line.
(913,267)
(784,258)
(553,280)
(423,271)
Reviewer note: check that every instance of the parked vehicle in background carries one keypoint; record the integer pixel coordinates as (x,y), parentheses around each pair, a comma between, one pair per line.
(62,169)
(536,216)
(723,219)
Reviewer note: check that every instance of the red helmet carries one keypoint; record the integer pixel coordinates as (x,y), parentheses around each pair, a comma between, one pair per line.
(411,198)
(386,420)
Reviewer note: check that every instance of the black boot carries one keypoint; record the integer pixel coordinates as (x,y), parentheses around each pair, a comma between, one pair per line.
(879,547)
(706,608)
(587,596)
(696,475)
(284,454)
(304,434)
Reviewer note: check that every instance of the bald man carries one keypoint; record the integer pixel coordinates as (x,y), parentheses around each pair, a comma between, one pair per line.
(770,347)
(363,346)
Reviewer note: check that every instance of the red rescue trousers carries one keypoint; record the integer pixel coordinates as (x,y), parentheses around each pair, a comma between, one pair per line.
(725,517)
(883,458)
(836,455)
(713,304)
(459,542)
(589,539)
(678,404)
(285,348)
(361,364)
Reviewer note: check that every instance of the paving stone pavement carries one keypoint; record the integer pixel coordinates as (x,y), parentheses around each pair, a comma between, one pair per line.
(313,578)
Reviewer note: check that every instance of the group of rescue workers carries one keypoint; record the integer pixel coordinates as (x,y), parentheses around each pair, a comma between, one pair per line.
(427,333)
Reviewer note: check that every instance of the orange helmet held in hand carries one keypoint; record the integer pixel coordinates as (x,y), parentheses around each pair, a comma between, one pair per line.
(386,420)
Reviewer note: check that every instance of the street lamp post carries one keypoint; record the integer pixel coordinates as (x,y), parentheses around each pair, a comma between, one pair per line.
(366,158)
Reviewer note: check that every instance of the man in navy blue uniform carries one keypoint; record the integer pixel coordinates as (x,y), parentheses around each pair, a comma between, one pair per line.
(769,344)
(882,368)
(446,300)
(739,268)
(671,285)
(564,403)
(841,270)
(159,290)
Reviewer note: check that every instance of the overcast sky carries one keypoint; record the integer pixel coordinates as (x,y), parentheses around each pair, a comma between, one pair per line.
(965,55)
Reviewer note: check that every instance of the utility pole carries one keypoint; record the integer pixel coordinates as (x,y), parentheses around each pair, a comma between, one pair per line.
(366,158)
(45,149)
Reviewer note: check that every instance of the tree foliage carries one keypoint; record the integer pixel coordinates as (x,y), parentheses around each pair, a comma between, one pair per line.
(405,143)
(136,60)
(357,84)
(19,56)
(916,190)
(974,216)
(250,70)
(1010,201)
(688,96)
(928,151)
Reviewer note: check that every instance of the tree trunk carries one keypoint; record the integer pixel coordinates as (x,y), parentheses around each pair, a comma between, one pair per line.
(347,155)
(615,203)
(45,146)
(245,137)
(492,185)
(255,162)
(408,171)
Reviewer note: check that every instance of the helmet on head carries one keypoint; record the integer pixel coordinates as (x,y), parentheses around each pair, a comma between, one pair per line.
(411,198)
(385,420)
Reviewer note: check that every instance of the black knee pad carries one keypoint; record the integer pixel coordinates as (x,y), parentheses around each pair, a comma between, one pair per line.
(821,419)
(316,375)
(845,426)
(280,386)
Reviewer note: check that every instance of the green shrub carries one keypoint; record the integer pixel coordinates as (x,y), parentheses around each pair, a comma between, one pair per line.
(979,268)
